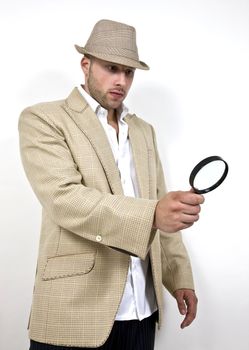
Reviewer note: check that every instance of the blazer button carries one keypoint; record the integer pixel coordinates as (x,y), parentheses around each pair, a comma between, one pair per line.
(98,238)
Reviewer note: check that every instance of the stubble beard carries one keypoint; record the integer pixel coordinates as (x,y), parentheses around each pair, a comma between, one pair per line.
(100,96)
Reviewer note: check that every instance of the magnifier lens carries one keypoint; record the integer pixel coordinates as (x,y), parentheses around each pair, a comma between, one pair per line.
(209,175)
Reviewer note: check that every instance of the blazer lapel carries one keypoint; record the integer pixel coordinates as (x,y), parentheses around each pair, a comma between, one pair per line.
(78,109)
(140,155)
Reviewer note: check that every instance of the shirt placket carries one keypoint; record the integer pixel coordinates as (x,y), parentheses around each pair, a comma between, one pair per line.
(124,167)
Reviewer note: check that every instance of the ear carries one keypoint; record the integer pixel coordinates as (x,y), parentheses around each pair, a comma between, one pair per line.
(85,65)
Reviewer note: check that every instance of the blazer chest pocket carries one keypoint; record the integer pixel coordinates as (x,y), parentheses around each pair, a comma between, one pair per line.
(68,266)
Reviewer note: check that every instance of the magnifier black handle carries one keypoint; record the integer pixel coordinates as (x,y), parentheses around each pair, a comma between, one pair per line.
(199,166)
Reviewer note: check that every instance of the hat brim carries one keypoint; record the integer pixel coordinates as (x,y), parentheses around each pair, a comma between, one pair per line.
(114,58)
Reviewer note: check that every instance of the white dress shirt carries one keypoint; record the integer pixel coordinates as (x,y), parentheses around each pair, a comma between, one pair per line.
(138,300)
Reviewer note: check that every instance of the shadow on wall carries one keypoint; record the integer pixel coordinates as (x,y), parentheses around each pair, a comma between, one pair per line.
(160,107)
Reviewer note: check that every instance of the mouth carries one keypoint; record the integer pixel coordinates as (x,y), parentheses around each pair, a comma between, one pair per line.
(117,93)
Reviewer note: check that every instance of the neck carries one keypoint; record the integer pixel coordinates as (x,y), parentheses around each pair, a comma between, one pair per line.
(112,119)
(112,115)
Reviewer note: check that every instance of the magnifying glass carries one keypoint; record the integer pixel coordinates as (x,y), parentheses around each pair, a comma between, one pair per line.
(208,174)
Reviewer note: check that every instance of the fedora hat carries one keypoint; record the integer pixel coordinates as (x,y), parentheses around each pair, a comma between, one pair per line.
(113,42)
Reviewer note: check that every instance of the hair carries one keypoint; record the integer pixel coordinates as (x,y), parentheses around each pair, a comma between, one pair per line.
(89,56)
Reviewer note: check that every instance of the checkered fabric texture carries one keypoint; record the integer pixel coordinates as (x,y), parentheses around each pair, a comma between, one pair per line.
(89,228)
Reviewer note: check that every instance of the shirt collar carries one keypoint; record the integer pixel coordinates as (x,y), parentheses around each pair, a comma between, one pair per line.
(96,107)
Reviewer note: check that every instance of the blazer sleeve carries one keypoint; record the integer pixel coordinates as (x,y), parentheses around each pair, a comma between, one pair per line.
(121,222)
(176,266)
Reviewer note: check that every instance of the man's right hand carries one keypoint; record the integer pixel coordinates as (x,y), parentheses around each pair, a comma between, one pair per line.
(177,211)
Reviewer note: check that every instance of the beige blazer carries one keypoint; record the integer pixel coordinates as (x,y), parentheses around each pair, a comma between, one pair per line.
(89,228)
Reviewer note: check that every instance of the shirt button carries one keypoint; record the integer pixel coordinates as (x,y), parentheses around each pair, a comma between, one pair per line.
(98,238)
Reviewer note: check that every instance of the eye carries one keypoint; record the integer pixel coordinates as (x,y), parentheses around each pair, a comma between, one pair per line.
(129,72)
(112,68)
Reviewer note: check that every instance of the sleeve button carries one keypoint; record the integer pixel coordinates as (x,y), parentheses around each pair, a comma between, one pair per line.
(98,238)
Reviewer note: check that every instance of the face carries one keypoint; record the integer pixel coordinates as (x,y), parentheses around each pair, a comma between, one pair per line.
(108,83)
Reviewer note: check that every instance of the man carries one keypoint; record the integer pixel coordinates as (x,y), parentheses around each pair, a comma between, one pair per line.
(110,233)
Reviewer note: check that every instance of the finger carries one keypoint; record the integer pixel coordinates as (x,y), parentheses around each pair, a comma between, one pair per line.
(191,209)
(189,219)
(181,303)
(192,198)
(184,226)
(189,318)
(191,302)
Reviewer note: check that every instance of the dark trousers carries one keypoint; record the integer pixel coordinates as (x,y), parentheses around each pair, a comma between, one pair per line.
(125,335)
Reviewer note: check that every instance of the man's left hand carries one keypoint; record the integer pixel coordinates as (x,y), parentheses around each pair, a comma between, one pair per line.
(187,305)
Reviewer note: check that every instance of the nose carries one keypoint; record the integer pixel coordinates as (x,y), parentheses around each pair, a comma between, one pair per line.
(121,79)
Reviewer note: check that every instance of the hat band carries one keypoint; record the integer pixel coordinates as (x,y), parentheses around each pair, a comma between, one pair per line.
(104,50)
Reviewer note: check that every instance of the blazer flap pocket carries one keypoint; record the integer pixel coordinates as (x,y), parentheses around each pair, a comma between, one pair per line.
(68,266)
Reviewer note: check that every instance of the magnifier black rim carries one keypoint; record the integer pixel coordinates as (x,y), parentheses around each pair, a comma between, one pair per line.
(199,166)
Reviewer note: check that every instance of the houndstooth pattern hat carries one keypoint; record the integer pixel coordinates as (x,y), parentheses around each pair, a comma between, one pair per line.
(113,42)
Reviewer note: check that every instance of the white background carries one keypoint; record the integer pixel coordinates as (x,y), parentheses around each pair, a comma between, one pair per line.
(196,96)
